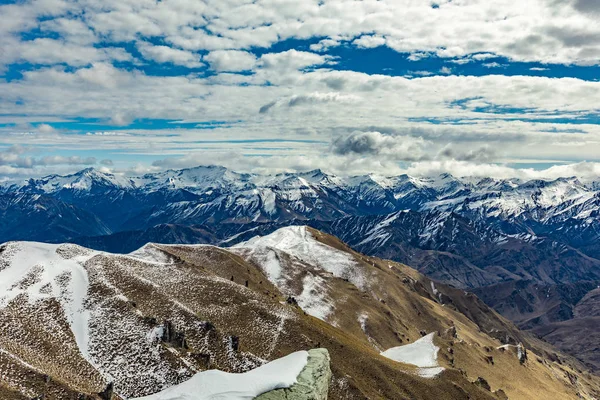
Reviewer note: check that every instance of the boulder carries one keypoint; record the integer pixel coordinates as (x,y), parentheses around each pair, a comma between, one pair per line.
(312,383)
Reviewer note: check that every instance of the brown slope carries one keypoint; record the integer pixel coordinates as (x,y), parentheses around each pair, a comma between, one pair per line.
(561,366)
(191,287)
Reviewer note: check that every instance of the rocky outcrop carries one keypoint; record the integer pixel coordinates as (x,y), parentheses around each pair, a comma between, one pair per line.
(313,381)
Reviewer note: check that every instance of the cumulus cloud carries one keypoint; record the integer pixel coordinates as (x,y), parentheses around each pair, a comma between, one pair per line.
(81,69)
(587,6)
(325,44)
(402,148)
(349,165)
(309,99)
(503,27)
(14,157)
(292,60)
(120,119)
(166,54)
(483,154)
(230,60)
(45,129)
(493,65)
(371,41)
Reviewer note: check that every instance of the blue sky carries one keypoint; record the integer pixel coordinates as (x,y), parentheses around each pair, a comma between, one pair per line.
(352,87)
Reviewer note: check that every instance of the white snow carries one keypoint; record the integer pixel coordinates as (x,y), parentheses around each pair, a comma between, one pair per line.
(422,353)
(151,254)
(313,299)
(312,265)
(269,261)
(42,271)
(378,233)
(430,372)
(298,242)
(218,385)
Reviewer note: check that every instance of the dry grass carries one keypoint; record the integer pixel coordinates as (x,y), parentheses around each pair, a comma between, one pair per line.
(128,298)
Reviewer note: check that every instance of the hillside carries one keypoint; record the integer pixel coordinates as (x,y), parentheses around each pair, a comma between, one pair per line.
(75,320)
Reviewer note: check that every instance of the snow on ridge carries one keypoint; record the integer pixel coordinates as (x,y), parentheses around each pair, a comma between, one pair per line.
(151,254)
(272,251)
(421,353)
(378,234)
(314,299)
(214,384)
(42,271)
(298,242)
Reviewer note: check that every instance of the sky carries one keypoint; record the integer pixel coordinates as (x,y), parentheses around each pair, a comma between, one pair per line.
(505,88)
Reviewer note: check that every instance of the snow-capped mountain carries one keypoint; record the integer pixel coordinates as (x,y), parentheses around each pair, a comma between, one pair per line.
(470,233)
(173,322)
(480,227)
(216,194)
(398,217)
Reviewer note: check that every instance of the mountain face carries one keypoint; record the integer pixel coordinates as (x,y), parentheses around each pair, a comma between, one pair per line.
(27,216)
(80,323)
(529,248)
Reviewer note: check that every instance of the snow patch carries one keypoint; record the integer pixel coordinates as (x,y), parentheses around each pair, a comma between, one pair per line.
(313,299)
(214,384)
(40,271)
(152,254)
(298,242)
(422,353)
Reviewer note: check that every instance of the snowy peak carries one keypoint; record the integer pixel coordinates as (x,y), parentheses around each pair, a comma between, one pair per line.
(301,243)
(196,179)
(303,267)
(316,194)
(82,181)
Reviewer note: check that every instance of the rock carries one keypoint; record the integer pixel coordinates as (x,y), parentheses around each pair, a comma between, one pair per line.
(203,359)
(107,393)
(313,381)
(172,336)
(521,353)
(450,333)
(481,382)
(235,342)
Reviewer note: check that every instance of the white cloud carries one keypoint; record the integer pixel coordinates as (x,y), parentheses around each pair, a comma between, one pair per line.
(45,128)
(120,119)
(483,56)
(230,60)
(299,93)
(546,31)
(369,41)
(14,157)
(404,148)
(47,51)
(325,44)
(166,54)
(291,60)
(418,56)
(493,65)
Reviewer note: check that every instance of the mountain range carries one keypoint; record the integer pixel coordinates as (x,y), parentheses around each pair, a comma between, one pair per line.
(530,249)
(174,321)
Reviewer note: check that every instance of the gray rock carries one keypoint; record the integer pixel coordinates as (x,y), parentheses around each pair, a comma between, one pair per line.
(313,381)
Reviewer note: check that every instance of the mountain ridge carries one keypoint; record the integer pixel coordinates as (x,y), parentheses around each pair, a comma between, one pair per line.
(473,233)
(176,310)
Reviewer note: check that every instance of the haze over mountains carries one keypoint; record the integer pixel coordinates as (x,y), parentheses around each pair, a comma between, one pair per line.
(530,249)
